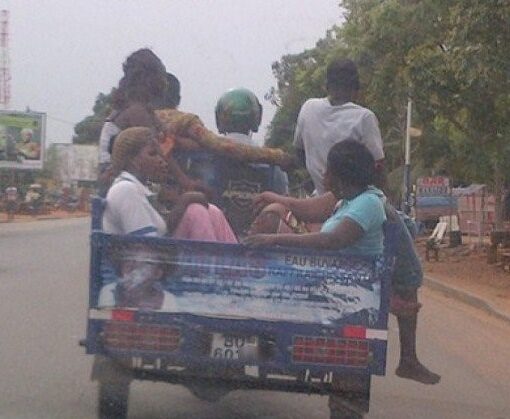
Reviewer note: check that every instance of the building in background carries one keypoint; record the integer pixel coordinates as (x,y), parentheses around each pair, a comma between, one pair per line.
(477,209)
(84,163)
(73,164)
(434,199)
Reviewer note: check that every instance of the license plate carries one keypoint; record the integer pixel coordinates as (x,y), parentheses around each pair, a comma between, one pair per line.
(233,347)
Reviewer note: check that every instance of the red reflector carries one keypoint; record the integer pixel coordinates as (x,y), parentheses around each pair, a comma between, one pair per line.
(356,332)
(123,315)
(141,336)
(331,351)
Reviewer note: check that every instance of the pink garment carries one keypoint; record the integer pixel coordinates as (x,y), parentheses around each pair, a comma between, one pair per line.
(204,224)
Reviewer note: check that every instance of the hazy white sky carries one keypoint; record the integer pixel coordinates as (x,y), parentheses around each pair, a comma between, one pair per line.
(64,52)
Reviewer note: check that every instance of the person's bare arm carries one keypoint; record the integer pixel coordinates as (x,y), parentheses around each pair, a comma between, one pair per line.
(314,210)
(185,143)
(345,234)
(177,173)
(190,126)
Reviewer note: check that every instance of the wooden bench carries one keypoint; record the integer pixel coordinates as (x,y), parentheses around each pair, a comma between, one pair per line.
(435,239)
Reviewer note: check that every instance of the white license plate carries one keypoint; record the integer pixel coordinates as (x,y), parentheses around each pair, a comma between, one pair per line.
(233,347)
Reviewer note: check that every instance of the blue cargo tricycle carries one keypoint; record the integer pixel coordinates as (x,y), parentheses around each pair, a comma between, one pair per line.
(227,317)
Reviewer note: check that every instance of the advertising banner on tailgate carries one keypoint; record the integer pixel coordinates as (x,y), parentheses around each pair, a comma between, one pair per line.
(22,139)
(223,280)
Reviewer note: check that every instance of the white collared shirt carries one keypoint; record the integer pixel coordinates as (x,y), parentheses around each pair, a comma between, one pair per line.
(128,210)
(108,131)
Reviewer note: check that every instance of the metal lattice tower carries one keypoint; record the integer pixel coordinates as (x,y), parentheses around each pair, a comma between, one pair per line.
(5,70)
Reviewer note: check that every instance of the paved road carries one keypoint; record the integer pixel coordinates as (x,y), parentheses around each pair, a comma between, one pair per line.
(44,374)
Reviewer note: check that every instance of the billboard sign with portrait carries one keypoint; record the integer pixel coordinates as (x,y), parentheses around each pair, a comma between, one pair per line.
(22,139)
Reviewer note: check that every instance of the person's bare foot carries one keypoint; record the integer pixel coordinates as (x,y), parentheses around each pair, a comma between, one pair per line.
(414,370)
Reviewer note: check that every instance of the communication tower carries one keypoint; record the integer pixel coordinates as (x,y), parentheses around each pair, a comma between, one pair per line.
(5,70)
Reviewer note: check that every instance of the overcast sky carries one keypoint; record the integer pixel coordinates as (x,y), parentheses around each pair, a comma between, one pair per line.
(64,52)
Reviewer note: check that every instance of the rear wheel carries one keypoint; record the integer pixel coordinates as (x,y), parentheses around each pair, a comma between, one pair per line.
(339,410)
(113,399)
(351,396)
(113,387)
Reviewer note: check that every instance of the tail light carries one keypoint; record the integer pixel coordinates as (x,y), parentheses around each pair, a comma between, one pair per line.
(330,350)
(123,315)
(141,336)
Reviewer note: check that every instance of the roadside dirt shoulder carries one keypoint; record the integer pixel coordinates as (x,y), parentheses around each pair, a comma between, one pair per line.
(467,269)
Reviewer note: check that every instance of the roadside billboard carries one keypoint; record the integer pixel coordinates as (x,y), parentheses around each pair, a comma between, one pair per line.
(22,139)
(433,186)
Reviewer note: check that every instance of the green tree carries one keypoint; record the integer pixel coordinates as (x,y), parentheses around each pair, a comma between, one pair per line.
(463,77)
(299,77)
(87,131)
(452,58)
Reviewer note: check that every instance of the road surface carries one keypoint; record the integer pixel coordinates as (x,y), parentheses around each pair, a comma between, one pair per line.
(45,374)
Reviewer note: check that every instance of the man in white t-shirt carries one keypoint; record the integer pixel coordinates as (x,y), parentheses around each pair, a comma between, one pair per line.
(326,121)
(321,124)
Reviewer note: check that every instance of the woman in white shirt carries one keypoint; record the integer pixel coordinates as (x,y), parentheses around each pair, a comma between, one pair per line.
(136,159)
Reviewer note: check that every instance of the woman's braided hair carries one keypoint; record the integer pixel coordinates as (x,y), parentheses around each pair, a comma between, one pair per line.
(127,145)
(352,163)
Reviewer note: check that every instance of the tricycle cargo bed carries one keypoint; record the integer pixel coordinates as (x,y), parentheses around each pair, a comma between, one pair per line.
(271,312)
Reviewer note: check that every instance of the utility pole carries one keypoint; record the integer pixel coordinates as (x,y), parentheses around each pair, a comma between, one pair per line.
(5,68)
(407,162)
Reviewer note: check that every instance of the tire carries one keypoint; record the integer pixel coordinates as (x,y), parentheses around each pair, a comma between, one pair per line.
(113,399)
(350,398)
(338,410)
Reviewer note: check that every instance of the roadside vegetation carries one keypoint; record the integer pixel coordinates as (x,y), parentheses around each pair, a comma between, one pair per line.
(451,58)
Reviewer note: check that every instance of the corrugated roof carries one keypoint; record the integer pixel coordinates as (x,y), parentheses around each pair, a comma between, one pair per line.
(473,189)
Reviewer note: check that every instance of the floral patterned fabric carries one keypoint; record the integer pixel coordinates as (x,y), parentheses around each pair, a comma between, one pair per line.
(187,125)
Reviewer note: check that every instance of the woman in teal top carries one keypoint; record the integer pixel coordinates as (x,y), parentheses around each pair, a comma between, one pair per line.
(366,210)
(352,212)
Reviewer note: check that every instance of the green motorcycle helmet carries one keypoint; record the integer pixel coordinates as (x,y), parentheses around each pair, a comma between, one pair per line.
(238,110)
